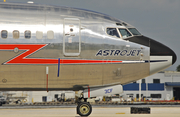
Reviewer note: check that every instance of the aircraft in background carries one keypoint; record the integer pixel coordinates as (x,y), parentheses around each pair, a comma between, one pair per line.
(61,48)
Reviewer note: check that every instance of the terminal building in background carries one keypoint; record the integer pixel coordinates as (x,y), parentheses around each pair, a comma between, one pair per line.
(160,86)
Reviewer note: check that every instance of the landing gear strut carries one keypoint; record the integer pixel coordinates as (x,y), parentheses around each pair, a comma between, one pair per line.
(84,108)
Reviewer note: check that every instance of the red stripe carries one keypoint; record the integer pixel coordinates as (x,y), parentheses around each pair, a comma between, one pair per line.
(88,92)
(69,61)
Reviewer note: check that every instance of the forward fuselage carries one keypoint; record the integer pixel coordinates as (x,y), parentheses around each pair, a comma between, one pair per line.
(59,48)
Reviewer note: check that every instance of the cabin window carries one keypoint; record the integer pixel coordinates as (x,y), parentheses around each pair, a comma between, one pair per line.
(124,33)
(39,34)
(4,34)
(112,32)
(27,34)
(50,34)
(16,34)
(134,31)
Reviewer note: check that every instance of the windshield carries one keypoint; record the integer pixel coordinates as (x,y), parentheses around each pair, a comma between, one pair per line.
(134,31)
(112,32)
(124,33)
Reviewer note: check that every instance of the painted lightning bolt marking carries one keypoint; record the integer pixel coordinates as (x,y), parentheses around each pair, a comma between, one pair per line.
(29,50)
(32,48)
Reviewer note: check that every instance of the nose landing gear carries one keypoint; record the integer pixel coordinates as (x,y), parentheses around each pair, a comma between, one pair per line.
(84,109)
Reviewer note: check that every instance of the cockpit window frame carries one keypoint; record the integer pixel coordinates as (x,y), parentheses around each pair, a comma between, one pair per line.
(119,33)
(127,31)
(133,33)
(111,35)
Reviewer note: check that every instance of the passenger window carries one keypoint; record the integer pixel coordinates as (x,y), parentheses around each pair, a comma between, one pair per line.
(112,32)
(50,34)
(124,33)
(39,34)
(16,34)
(27,34)
(4,34)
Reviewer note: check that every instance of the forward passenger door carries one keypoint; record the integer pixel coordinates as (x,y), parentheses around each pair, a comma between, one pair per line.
(71,37)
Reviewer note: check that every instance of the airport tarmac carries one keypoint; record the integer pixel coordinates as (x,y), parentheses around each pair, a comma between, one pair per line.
(97,112)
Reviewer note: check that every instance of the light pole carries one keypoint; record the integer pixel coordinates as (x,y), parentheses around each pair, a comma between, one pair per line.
(139,90)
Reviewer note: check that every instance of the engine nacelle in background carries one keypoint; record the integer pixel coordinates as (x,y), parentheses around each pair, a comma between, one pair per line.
(103,91)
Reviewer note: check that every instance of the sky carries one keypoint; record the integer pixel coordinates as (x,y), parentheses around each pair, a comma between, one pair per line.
(157,19)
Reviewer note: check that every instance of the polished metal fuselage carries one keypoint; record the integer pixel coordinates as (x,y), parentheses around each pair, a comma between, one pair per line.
(86,39)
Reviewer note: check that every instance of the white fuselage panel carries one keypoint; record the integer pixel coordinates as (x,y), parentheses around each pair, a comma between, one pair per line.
(158,63)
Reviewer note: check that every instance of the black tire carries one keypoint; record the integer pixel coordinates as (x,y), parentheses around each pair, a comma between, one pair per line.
(84,109)
(0,103)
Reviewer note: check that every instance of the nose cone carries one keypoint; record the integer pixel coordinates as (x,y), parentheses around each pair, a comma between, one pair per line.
(161,56)
(158,49)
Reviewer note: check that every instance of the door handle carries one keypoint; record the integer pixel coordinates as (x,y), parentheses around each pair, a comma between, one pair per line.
(67,34)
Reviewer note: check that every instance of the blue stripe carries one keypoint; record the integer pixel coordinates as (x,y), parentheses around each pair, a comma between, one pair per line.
(58,67)
(152,61)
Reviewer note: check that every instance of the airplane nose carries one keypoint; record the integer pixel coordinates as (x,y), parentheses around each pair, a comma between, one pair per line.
(158,49)
(161,56)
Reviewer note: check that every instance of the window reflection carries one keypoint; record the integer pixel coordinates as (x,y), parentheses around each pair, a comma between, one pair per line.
(16,34)
(112,32)
(134,31)
(4,34)
(27,34)
(124,33)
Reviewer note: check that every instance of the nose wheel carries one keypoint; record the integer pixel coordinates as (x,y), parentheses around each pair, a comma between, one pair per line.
(84,109)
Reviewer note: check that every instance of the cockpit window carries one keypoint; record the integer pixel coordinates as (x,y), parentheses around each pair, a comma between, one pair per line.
(134,31)
(112,32)
(124,33)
